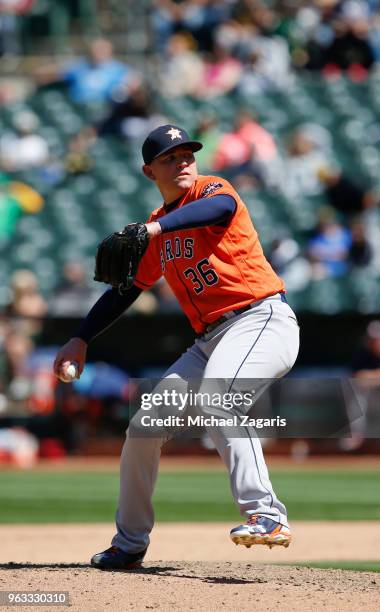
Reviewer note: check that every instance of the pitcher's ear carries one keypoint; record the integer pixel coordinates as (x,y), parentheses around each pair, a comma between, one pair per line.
(147,170)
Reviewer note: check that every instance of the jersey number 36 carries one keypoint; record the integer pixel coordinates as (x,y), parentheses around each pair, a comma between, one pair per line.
(202,275)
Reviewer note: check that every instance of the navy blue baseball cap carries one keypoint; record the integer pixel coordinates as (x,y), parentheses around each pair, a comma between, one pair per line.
(164,138)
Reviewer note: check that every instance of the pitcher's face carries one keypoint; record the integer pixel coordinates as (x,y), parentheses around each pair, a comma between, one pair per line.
(175,171)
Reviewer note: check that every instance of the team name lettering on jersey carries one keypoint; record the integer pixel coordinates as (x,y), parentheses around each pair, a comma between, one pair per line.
(175,248)
(162,261)
(189,248)
(168,250)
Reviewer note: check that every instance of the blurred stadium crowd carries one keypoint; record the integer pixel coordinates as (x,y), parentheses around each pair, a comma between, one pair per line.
(285,96)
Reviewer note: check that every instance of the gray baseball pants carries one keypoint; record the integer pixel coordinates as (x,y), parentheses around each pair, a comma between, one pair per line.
(259,344)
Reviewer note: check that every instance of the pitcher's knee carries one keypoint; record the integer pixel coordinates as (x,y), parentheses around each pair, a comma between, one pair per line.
(139,437)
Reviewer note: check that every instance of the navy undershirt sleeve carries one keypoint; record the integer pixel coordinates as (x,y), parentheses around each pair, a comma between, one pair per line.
(215,210)
(109,307)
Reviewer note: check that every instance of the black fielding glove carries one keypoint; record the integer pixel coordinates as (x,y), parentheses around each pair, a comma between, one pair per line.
(119,254)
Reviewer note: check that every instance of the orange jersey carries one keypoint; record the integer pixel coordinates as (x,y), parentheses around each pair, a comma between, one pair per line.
(212,269)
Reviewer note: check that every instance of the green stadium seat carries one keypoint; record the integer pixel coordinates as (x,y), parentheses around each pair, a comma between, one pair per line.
(329,296)
(365,286)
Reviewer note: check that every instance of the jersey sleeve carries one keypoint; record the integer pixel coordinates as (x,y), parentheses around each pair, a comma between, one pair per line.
(215,185)
(210,186)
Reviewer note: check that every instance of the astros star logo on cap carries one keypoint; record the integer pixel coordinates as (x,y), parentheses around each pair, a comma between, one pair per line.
(174,133)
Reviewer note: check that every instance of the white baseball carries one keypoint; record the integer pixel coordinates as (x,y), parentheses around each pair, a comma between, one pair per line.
(71,371)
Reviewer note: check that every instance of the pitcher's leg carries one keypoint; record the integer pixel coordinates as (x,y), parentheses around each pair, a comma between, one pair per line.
(259,347)
(250,484)
(139,466)
(138,473)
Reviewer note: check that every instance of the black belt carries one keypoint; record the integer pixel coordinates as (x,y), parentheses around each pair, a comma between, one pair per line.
(233,313)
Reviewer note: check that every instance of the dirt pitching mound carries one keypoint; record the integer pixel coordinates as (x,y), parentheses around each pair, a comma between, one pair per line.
(55,558)
(197,586)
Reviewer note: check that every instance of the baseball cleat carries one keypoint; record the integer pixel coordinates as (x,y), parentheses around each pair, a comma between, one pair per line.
(115,558)
(261,530)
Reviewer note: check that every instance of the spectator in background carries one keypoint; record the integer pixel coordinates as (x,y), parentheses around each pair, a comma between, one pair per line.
(365,369)
(15,199)
(329,249)
(181,68)
(344,194)
(93,79)
(74,295)
(374,34)
(233,35)
(266,56)
(199,18)
(296,24)
(10,10)
(207,130)
(289,263)
(25,149)
(366,361)
(166,18)
(248,149)
(264,154)
(131,115)
(77,159)
(18,346)
(28,381)
(167,301)
(303,161)
(314,24)
(267,67)
(27,301)
(222,72)
(361,253)
(350,49)
(233,153)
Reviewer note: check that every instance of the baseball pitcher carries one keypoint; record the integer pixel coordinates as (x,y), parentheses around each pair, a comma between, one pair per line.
(202,240)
